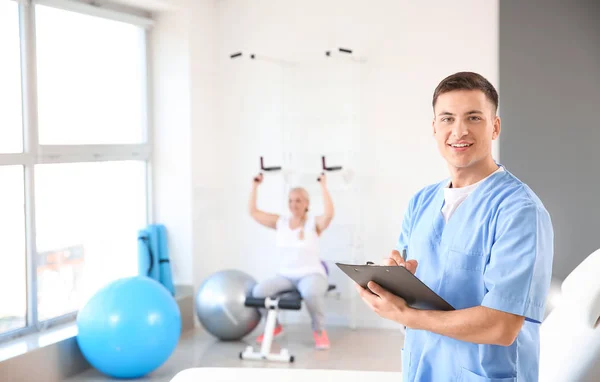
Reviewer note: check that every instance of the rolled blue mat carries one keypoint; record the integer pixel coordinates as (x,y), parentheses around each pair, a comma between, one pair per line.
(147,256)
(153,255)
(165,276)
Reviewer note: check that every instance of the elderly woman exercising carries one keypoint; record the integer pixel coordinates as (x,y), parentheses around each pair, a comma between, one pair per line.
(298,251)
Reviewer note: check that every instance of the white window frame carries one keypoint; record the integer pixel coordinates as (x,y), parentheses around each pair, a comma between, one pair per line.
(34,153)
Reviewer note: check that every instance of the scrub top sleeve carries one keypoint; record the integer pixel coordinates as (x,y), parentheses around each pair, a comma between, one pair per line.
(517,277)
(407,221)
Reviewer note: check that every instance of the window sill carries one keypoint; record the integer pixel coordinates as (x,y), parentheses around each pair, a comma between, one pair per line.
(37,340)
(61,332)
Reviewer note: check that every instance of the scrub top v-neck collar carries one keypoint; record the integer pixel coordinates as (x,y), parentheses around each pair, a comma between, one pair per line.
(440,226)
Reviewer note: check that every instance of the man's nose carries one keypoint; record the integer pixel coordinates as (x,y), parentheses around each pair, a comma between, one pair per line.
(460,129)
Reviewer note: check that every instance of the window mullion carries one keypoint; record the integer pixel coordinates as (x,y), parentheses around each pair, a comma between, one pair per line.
(19,159)
(30,139)
(149,126)
(92,153)
(99,10)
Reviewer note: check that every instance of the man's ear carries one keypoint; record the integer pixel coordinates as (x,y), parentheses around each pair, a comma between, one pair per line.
(497,128)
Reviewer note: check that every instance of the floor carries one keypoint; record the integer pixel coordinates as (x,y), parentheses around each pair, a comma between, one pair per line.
(361,349)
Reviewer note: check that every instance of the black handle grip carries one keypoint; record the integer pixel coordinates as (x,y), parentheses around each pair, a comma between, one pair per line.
(272,168)
(254,302)
(329,168)
(290,304)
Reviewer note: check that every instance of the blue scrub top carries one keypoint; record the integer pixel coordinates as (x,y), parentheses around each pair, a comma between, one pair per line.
(496,251)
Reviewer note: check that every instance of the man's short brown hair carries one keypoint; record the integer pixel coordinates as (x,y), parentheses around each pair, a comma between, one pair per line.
(466,81)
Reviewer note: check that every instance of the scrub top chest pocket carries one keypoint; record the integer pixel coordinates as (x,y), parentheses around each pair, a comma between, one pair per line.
(466,260)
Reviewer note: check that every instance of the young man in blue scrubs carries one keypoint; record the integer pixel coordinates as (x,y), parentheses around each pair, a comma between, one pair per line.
(483,241)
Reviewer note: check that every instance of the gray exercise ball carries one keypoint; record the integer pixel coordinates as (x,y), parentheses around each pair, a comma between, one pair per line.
(220,305)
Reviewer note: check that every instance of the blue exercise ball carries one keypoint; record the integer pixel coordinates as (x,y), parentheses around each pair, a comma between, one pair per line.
(129,328)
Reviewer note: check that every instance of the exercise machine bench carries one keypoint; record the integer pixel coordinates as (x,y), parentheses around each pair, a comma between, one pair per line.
(286,300)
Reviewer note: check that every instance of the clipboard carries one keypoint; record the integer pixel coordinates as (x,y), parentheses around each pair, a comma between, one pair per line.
(400,282)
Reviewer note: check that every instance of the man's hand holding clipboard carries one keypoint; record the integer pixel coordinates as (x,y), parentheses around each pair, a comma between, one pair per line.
(392,290)
(396,259)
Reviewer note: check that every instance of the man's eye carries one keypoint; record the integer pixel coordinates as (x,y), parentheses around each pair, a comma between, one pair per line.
(475,118)
(446,119)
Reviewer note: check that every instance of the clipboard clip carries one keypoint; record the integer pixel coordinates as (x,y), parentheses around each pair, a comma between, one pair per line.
(404,256)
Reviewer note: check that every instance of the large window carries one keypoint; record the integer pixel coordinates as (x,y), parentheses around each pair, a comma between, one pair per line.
(13,276)
(11,128)
(87,218)
(90,83)
(73,156)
